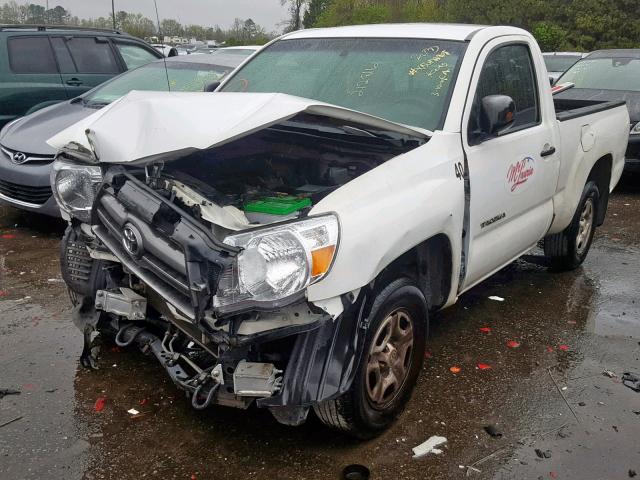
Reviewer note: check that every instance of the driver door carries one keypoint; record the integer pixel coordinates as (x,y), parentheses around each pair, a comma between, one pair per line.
(513,172)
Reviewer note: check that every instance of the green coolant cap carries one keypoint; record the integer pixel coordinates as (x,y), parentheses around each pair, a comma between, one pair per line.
(277,205)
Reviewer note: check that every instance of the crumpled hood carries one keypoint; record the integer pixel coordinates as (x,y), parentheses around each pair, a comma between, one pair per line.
(143,125)
(30,133)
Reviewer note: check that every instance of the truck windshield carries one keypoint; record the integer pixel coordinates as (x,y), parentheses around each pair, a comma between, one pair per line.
(407,81)
(605,74)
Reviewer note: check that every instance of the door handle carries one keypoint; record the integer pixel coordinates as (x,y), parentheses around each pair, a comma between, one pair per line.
(548,151)
(74,82)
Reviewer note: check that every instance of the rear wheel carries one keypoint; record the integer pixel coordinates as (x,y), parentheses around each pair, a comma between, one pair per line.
(568,249)
(389,365)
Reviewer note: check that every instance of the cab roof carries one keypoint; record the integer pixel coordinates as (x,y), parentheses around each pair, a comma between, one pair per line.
(444,31)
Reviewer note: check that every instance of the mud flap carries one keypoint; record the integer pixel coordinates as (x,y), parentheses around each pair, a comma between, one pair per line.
(86,318)
(323,362)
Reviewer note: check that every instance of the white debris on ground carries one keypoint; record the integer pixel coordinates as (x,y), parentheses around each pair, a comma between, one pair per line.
(495,298)
(429,447)
(133,411)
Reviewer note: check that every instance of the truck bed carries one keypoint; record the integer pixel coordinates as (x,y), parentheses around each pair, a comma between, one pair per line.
(568,108)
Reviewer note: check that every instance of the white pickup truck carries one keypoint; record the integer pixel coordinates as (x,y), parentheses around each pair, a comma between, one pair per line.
(284,240)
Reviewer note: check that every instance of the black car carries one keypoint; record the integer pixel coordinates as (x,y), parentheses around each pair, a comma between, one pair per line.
(42,65)
(610,75)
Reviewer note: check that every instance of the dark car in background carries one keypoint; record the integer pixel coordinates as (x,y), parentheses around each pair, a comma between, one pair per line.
(25,156)
(559,62)
(606,75)
(42,65)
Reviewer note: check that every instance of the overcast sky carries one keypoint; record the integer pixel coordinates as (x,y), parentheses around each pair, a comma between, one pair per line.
(267,13)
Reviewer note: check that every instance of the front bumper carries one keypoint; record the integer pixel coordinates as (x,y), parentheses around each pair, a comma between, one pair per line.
(27,186)
(632,156)
(178,266)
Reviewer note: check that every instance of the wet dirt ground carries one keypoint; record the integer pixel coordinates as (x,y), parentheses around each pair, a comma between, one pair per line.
(570,327)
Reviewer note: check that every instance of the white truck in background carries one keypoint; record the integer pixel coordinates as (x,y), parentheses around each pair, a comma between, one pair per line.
(283,240)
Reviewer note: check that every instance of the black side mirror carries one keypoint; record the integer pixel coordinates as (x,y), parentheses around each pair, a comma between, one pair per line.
(211,87)
(497,114)
(551,80)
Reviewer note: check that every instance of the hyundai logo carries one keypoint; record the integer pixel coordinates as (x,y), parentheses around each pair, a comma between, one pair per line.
(18,158)
(132,240)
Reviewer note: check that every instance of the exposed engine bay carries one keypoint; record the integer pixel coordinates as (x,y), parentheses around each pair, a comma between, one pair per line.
(164,263)
(276,174)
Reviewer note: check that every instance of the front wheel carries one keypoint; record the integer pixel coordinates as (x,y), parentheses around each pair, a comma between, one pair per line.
(567,249)
(389,364)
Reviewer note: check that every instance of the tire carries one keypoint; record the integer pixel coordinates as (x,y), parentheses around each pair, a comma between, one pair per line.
(567,250)
(356,412)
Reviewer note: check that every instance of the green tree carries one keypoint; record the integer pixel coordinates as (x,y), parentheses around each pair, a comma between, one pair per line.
(138,25)
(171,28)
(315,9)
(550,37)
(57,16)
(35,14)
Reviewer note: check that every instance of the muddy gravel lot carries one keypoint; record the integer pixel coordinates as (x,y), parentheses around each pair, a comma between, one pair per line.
(530,366)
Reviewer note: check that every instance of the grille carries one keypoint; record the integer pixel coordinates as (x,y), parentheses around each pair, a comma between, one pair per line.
(24,193)
(166,249)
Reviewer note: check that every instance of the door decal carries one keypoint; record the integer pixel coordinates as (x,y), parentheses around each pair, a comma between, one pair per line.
(520,173)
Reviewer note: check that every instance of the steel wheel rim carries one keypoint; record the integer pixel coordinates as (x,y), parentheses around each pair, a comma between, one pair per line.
(389,359)
(585,226)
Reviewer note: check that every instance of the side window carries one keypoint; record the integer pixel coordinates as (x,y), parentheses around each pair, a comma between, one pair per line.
(31,55)
(62,54)
(92,55)
(508,71)
(134,55)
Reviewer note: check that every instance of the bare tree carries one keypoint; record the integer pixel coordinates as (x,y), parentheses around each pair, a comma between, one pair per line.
(295,14)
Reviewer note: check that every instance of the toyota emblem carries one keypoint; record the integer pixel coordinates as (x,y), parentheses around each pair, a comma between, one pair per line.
(132,240)
(18,158)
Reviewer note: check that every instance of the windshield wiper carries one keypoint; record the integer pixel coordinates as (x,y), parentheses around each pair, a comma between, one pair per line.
(96,104)
(360,132)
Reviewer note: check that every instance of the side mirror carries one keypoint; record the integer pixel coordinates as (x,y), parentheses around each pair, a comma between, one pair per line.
(211,87)
(552,80)
(497,114)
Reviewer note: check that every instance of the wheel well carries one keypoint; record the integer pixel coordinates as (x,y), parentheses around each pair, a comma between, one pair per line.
(601,175)
(429,264)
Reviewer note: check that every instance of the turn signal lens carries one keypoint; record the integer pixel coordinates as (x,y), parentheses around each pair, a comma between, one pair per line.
(321,260)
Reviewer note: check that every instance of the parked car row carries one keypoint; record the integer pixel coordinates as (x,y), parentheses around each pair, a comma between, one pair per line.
(40,66)
(25,157)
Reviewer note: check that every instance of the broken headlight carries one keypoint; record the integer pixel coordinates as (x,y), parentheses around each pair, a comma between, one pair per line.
(74,187)
(278,262)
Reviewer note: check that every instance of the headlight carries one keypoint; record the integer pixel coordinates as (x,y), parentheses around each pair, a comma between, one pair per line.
(277,262)
(635,129)
(74,187)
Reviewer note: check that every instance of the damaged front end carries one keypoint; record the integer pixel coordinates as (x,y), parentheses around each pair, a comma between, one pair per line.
(202,257)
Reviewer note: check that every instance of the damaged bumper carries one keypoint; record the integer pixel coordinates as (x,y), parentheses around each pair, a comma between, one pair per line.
(147,271)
